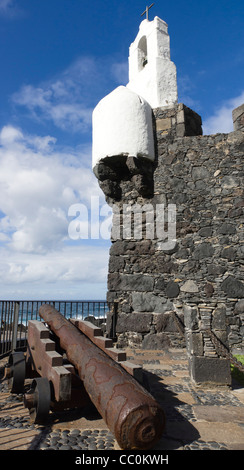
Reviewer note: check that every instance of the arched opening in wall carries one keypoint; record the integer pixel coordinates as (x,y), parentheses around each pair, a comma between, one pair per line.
(142,53)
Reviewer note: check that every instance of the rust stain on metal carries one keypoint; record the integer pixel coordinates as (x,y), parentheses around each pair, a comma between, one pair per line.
(130,412)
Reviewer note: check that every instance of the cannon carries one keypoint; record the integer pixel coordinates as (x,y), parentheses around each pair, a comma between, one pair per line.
(91,375)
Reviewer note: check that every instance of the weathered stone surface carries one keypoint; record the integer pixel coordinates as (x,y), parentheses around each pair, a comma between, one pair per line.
(210,370)
(195,346)
(206,232)
(227,229)
(239,307)
(111,189)
(136,282)
(165,322)
(114,281)
(219,318)
(172,289)
(143,185)
(209,289)
(179,121)
(159,284)
(204,177)
(116,264)
(220,414)
(191,317)
(149,302)
(137,322)
(229,253)
(200,173)
(130,247)
(233,287)
(155,341)
(104,172)
(204,250)
(130,339)
(189,286)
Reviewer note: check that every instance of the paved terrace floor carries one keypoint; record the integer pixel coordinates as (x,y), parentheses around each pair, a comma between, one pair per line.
(196,418)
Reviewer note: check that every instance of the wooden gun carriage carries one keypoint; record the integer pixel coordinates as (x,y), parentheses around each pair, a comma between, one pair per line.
(72,365)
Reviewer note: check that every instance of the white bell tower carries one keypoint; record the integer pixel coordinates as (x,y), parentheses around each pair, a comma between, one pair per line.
(152,74)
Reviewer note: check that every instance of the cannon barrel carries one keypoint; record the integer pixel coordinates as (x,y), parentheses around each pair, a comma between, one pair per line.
(130,412)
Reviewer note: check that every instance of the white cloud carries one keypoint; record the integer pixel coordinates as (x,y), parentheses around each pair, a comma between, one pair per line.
(221,121)
(38,183)
(70,264)
(69,99)
(63,110)
(62,100)
(67,273)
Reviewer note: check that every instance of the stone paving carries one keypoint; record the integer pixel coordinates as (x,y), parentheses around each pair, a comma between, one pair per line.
(196,418)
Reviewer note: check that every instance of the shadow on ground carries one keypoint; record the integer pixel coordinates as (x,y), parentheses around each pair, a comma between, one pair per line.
(179,431)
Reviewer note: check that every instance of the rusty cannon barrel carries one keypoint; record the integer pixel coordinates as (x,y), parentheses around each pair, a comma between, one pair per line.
(131,413)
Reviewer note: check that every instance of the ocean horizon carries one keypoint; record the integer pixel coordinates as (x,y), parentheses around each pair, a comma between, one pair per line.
(29,309)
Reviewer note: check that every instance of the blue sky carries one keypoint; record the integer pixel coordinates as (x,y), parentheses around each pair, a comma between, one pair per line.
(58,59)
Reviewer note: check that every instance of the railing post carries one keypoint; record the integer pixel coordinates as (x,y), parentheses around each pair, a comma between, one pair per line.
(113,320)
(15,325)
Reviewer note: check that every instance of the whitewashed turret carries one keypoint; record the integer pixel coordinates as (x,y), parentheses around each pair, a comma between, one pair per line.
(151,72)
(122,125)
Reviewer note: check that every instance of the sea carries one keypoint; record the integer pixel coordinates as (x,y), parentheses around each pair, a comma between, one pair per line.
(28,309)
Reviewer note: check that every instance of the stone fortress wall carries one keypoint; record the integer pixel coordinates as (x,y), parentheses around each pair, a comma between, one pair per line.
(203,273)
(176,278)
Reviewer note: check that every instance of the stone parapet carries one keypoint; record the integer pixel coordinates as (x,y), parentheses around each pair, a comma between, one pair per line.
(178,121)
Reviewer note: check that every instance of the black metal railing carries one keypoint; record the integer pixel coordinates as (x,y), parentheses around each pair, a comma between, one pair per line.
(14,317)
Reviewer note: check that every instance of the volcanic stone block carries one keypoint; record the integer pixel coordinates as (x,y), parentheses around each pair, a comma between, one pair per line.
(205,250)
(172,289)
(149,302)
(163,124)
(111,189)
(138,322)
(206,231)
(219,318)
(116,263)
(189,286)
(210,370)
(227,229)
(104,172)
(199,173)
(155,341)
(136,282)
(191,317)
(233,287)
(166,322)
(239,307)
(195,344)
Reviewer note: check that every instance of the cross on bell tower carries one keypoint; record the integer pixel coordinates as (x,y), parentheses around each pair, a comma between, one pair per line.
(147,10)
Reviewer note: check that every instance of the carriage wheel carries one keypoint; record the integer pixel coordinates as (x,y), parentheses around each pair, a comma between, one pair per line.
(16,368)
(37,399)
